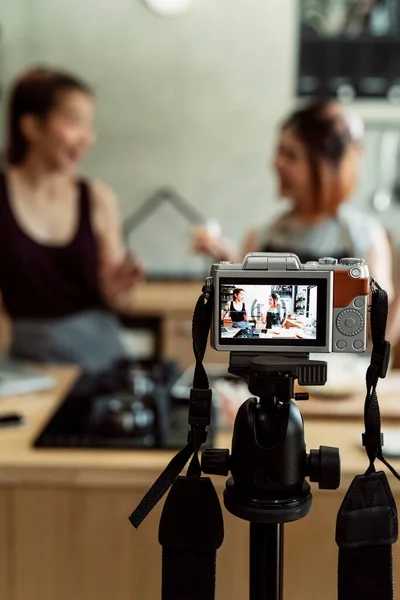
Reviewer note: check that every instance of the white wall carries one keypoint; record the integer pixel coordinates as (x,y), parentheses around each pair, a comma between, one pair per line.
(191,102)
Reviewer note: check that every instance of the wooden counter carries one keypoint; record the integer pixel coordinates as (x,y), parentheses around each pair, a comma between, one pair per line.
(171,302)
(64,530)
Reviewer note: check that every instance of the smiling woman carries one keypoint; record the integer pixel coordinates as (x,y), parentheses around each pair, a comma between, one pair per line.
(63,265)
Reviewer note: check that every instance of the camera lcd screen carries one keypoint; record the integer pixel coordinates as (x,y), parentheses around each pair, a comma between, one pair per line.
(277,312)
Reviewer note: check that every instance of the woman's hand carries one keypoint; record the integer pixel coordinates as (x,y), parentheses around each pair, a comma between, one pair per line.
(121,278)
(214,246)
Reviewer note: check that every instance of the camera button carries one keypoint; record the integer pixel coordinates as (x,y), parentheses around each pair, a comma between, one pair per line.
(327,260)
(358,302)
(355,272)
(350,322)
(358,345)
(341,344)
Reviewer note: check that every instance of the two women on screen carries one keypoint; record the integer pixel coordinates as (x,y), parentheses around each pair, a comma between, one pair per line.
(236,309)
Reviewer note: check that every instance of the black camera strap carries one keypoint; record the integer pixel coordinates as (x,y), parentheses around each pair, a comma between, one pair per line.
(191,525)
(366,524)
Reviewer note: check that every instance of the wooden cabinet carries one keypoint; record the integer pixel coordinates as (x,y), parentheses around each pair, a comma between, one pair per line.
(5,544)
(174,304)
(77,543)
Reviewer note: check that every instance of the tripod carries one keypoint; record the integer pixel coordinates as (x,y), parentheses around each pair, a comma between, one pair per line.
(269,462)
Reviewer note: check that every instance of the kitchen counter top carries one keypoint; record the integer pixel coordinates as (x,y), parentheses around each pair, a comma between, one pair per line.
(19,461)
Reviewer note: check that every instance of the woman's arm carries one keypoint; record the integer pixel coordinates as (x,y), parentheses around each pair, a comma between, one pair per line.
(217,248)
(220,248)
(246,316)
(250,243)
(379,259)
(381,263)
(119,270)
(225,311)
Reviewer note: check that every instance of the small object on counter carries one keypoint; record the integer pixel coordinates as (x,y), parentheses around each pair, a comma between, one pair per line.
(16,378)
(11,420)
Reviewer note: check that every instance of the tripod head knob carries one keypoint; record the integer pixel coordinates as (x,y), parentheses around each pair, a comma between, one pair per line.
(215,461)
(323,465)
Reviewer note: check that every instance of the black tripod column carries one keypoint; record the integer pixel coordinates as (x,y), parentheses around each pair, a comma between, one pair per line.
(266,561)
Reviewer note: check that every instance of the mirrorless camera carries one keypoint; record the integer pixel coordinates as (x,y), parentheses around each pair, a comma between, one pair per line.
(273,303)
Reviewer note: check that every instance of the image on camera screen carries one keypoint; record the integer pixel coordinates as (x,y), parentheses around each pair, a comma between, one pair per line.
(270,312)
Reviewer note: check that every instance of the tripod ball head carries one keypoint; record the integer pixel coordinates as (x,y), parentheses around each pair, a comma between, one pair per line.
(269,464)
(268,461)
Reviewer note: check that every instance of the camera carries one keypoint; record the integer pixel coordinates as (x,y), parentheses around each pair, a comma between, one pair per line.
(274,303)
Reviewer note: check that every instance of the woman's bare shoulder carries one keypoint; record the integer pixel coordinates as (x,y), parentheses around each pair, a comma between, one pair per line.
(104,207)
(103,194)
(104,200)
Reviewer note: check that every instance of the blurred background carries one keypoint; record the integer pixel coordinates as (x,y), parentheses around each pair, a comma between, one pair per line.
(193,101)
(190,96)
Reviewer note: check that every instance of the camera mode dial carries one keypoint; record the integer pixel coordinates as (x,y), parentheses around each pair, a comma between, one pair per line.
(350,322)
(351,261)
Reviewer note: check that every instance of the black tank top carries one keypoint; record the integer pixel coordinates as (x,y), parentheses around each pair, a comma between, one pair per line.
(237,315)
(273,318)
(39,281)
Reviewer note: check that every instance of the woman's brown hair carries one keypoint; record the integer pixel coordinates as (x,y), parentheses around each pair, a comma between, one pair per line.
(275,298)
(36,92)
(325,132)
(237,291)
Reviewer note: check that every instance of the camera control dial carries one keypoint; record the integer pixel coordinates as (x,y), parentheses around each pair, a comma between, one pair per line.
(350,322)
(351,261)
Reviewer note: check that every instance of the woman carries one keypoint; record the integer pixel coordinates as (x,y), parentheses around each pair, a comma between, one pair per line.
(273,316)
(316,163)
(372,17)
(63,265)
(237,310)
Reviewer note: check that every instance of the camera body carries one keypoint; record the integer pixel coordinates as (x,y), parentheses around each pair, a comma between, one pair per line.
(273,303)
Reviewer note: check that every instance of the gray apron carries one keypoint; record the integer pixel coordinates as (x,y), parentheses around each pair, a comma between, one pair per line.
(90,339)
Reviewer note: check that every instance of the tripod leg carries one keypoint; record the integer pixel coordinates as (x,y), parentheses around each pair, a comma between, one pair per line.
(266,561)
